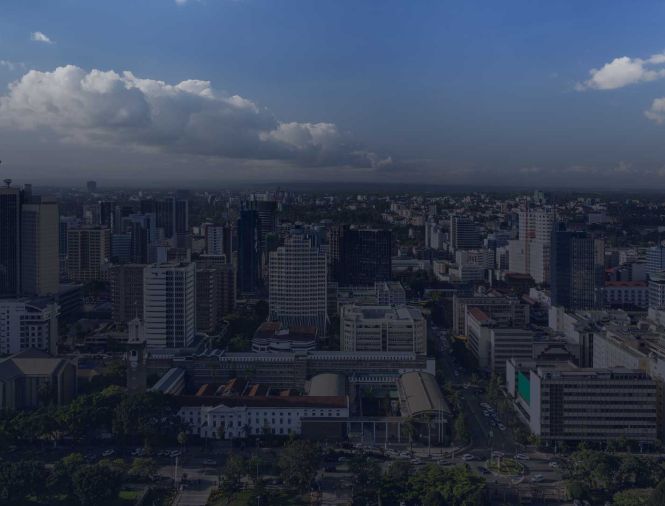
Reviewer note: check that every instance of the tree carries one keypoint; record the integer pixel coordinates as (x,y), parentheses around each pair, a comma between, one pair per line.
(461,430)
(234,470)
(182,439)
(632,497)
(97,484)
(298,464)
(658,495)
(21,479)
(366,480)
(411,430)
(143,468)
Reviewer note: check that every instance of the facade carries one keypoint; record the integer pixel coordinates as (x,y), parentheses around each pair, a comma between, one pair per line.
(657,290)
(169,305)
(561,402)
(577,270)
(298,287)
(10,239)
(39,247)
(499,308)
(626,294)
(88,254)
(655,259)
(240,417)
(361,256)
(272,337)
(215,295)
(464,234)
(249,252)
(127,292)
(382,328)
(28,323)
(533,245)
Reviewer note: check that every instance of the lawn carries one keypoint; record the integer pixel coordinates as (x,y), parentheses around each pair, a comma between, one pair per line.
(243,497)
(508,466)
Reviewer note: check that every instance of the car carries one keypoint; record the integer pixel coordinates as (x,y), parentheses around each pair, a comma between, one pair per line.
(416,462)
(484,470)
(467,457)
(405,455)
(502,427)
(537,478)
(484,405)
(210,462)
(497,453)
(342,459)
(553,464)
(138,452)
(444,462)
(522,456)
(174,453)
(108,453)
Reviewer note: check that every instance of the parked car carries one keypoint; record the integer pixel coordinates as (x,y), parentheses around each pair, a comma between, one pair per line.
(467,457)
(108,453)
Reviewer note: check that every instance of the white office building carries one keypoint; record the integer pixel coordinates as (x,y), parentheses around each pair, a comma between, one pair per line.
(298,289)
(28,323)
(169,305)
(383,328)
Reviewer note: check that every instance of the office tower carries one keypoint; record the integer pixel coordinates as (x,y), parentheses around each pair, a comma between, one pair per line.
(91,186)
(107,214)
(248,251)
(577,269)
(39,247)
(142,229)
(530,254)
(88,254)
(120,248)
(298,284)
(28,323)
(126,292)
(657,290)
(361,257)
(217,239)
(266,211)
(169,305)
(383,328)
(464,234)
(215,295)
(10,240)
(655,259)
(172,216)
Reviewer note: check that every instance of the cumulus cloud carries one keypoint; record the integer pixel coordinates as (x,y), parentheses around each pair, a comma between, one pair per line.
(625,71)
(12,65)
(119,109)
(657,111)
(40,37)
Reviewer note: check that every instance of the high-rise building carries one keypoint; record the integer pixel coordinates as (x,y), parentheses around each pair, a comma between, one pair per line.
(530,254)
(106,214)
(360,257)
(172,216)
(215,295)
(127,292)
(88,254)
(28,323)
(39,247)
(266,211)
(91,186)
(248,251)
(169,305)
(655,259)
(298,284)
(383,328)
(464,234)
(577,269)
(10,240)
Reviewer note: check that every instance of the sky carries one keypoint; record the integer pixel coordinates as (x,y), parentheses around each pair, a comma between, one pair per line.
(567,93)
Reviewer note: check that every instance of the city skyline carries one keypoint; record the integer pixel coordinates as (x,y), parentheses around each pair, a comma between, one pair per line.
(231,91)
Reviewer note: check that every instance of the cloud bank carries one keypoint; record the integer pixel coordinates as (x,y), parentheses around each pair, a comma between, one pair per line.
(191,118)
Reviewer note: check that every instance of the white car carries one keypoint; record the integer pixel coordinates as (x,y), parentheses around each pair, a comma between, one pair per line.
(502,427)
(497,453)
(553,464)
(522,456)
(416,462)
(537,478)
(209,462)
(467,457)
(174,453)
(107,453)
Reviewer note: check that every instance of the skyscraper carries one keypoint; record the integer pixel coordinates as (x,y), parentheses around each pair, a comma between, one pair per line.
(172,216)
(361,257)
(169,305)
(464,234)
(248,251)
(88,253)
(10,240)
(39,246)
(266,211)
(298,284)
(127,292)
(576,269)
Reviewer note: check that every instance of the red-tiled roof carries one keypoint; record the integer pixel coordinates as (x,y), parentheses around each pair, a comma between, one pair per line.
(304,401)
(479,314)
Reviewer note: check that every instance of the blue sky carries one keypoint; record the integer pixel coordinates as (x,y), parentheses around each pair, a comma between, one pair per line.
(451,92)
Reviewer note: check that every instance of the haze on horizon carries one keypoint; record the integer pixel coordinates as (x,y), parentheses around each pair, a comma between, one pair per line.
(563,93)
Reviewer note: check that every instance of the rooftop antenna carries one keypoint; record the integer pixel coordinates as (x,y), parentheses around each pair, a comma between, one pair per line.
(7,181)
